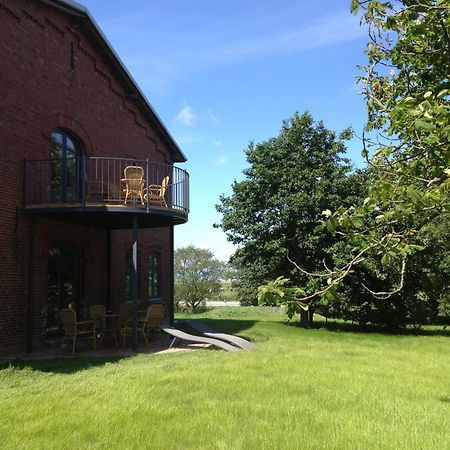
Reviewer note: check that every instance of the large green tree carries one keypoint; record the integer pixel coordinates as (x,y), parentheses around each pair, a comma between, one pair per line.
(273,213)
(197,275)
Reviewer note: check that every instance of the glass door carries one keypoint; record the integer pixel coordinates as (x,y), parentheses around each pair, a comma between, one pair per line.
(66,168)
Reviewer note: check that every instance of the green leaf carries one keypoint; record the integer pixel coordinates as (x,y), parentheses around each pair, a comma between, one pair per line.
(331,226)
(385,259)
(421,125)
(413,194)
(357,223)
(354,6)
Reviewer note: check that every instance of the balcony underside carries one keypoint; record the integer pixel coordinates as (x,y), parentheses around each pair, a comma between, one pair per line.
(113,217)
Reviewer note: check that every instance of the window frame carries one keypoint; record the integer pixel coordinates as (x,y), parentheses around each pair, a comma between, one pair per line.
(154,270)
(68,149)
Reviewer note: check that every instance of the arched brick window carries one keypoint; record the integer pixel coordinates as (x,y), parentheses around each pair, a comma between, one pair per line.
(66,177)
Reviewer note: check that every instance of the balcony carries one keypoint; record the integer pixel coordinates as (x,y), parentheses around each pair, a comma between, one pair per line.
(95,191)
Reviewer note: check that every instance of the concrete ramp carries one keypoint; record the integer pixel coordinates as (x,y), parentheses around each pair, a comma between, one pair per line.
(207,331)
(178,334)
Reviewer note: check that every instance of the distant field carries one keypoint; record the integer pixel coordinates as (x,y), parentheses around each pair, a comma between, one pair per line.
(226,293)
(301,389)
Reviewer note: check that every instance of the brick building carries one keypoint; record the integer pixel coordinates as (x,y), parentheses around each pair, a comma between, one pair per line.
(71,120)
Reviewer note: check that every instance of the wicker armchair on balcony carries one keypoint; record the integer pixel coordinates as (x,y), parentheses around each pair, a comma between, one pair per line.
(134,183)
(156,192)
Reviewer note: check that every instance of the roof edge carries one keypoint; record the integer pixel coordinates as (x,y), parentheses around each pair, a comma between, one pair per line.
(72,6)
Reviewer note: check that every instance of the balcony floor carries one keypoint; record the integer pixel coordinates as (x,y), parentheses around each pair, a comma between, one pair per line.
(109,215)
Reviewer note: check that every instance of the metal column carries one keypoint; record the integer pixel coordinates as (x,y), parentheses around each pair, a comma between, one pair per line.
(134,284)
(172,279)
(108,270)
(30,306)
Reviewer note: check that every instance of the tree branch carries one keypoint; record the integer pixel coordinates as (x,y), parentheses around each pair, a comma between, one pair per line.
(385,295)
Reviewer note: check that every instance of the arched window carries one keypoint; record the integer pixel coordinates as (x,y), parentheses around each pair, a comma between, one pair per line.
(154,275)
(66,180)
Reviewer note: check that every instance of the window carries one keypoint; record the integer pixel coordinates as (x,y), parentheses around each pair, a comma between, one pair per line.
(154,275)
(129,262)
(66,167)
(65,283)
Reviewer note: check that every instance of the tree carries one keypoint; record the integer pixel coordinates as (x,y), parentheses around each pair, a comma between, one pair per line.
(425,291)
(406,141)
(197,275)
(274,212)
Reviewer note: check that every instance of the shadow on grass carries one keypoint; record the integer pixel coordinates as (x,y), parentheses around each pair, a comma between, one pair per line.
(57,360)
(355,328)
(231,326)
(62,365)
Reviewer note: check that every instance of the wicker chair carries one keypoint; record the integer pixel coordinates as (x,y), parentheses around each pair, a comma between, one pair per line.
(107,326)
(134,183)
(156,192)
(74,329)
(151,321)
(155,316)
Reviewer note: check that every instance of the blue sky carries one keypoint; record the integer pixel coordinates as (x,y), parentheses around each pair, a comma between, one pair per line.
(223,73)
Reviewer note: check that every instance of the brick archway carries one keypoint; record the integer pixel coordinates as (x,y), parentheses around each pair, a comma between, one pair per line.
(63,121)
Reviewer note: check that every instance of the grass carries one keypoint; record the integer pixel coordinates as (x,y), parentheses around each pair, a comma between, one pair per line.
(299,389)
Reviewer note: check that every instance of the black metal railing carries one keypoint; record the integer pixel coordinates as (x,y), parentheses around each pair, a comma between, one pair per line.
(101,180)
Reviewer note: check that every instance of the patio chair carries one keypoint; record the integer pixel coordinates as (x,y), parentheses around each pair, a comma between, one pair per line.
(134,183)
(156,192)
(74,329)
(156,314)
(145,325)
(106,325)
(125,313)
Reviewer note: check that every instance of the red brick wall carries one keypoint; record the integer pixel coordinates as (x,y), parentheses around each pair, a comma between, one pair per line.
(39,91)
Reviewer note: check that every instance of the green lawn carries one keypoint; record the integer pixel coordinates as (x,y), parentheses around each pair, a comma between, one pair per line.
(300,389)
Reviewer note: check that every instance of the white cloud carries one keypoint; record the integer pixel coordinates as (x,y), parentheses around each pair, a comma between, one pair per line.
(186,116)
(217,144)
(221,160)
